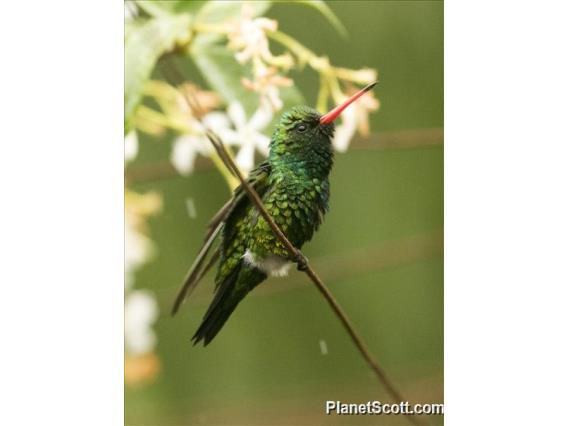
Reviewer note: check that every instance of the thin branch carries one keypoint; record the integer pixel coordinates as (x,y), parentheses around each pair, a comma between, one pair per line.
(300,260)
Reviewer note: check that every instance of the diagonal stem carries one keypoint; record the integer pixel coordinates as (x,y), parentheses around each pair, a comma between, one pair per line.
(300,259)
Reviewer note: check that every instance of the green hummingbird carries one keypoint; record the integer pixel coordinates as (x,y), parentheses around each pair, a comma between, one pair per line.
(293,184)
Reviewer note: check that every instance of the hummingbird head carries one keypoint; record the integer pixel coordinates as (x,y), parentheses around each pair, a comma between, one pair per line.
(304,133)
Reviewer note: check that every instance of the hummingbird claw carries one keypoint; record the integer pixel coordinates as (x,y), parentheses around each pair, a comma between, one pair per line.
(301,261)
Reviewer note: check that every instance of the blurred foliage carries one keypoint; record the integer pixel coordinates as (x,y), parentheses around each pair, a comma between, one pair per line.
(379,250)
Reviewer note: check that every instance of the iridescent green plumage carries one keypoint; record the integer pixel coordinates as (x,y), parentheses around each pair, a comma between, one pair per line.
(293,185)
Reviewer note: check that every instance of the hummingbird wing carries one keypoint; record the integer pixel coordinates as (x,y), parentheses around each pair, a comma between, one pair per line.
(198,269)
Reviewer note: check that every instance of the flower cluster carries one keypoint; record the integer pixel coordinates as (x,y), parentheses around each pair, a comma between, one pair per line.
(248,37)
(267,83)
(233,129)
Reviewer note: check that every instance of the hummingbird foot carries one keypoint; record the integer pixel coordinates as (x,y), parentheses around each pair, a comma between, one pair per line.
(301,261)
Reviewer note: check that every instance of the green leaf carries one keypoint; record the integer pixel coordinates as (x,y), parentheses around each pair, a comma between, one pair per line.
(324,9)
(215,12)
(172,7)
(145,43)
(223,74)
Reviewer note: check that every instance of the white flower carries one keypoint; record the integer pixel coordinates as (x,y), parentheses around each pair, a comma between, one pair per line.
(267,82)
(185,151)
(186,147)
(247,134)
(248,36)
(363,107)
(354,118)
(140,313)
(130,146)
(346,130)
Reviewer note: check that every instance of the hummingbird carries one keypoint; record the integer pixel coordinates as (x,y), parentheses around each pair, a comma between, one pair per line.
(293,184)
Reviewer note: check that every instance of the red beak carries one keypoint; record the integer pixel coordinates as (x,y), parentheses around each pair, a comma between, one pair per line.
(334,113)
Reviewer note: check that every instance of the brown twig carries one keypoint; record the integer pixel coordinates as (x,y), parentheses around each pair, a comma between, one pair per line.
(301,261)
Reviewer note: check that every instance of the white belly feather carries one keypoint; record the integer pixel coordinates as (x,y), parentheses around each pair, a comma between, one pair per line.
(271,265)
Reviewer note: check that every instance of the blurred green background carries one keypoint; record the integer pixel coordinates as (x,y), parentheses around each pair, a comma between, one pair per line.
(379,250)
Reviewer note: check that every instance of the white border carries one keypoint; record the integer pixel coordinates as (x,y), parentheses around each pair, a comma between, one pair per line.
(61,174)
(506,210)
(61,222)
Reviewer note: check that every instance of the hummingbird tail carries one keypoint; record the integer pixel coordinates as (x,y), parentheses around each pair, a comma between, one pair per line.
(228,295)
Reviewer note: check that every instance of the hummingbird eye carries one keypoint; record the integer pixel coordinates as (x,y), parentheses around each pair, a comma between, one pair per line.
(301,128)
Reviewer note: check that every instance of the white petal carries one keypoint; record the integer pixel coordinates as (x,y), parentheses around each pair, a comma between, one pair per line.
(183,154)
(266,24)
(140,342)
(272,96)
(203,145)
(196,125)
(345,132)
(230,137)
(237,114)
(216,120)
(244,56)
(140,313)
(343,136)
(260,119)
(140,309)
(130,146)
(245,157)
(262,143)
